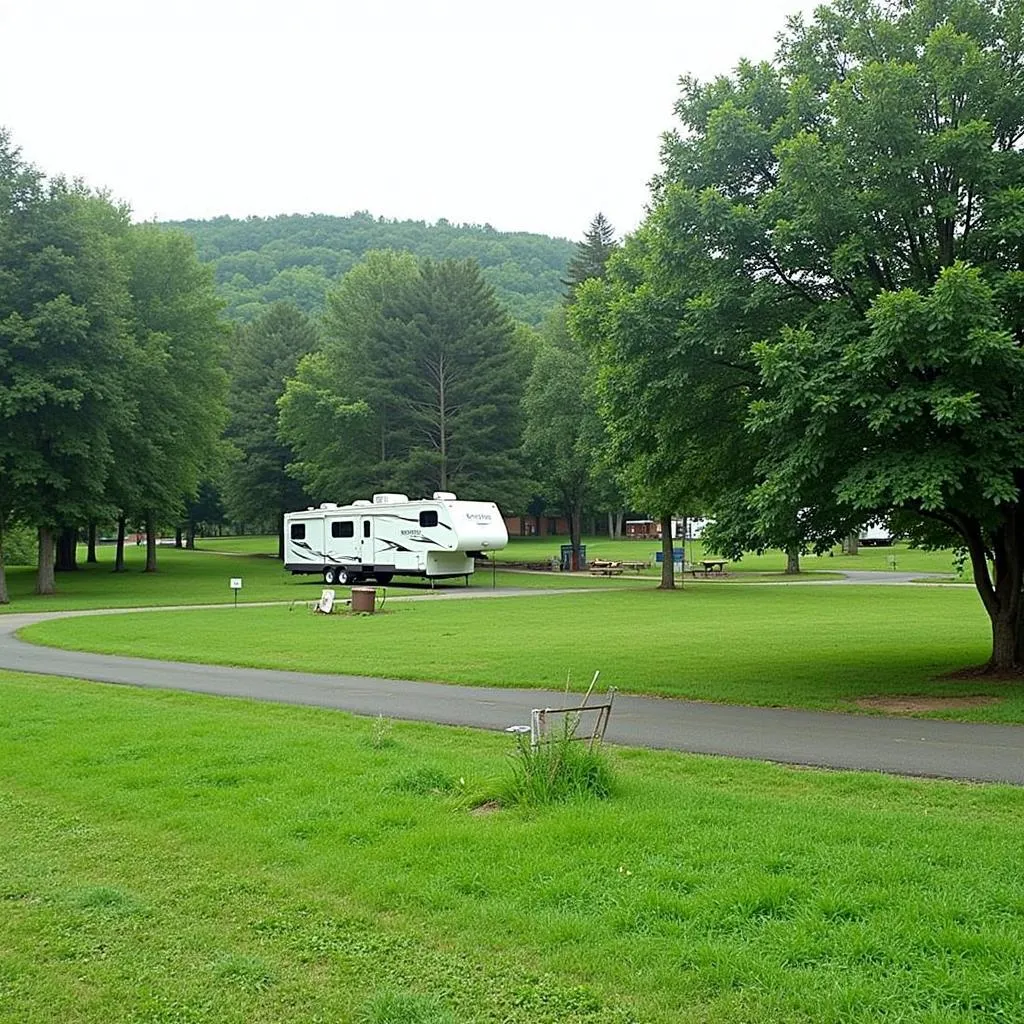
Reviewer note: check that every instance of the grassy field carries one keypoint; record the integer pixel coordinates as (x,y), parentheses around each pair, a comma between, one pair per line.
(906,559)
(801,646)
(202,577)
(546,549)
(174,858)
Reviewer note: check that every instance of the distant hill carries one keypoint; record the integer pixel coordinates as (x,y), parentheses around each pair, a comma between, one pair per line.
(295,257)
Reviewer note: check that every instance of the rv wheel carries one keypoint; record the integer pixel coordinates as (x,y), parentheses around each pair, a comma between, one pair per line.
(330,576)
(383,578)
(343,577)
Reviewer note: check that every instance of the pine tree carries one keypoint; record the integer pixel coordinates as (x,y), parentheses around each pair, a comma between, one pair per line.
(591,255)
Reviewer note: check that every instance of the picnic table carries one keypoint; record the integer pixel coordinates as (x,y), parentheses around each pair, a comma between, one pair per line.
(714,566)
(598,567)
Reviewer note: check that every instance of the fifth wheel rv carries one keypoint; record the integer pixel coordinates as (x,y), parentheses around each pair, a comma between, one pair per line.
(390,536)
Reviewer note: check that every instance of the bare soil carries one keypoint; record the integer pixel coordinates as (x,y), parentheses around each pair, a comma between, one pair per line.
(909,705)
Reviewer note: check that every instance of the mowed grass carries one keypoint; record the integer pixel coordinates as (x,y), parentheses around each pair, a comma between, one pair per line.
(178,858)
(875,559)
(203,577)
(546,549)
(801,646)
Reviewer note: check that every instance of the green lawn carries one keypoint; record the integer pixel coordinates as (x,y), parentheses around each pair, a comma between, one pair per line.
(534,549)
(819,647)
(175,858)
(202,577)
(545,549)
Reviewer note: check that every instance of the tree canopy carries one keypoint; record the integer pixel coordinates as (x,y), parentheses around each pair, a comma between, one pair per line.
(297,258)
(415,388)
(845,221)
(110,380)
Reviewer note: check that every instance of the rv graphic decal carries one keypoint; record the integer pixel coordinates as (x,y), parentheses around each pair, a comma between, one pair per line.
(303,547)
(408,519)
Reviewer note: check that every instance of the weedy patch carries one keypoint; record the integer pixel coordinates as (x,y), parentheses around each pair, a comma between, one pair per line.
(557,770)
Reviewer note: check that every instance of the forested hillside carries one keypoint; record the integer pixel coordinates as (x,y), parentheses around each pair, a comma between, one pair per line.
(262,260)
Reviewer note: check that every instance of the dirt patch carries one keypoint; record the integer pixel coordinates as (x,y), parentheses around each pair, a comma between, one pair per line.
(983,672)
(490,807)
(909,705)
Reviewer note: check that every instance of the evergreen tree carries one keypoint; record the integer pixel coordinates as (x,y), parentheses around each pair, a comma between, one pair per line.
(264,355)
(591,256)
(417,387)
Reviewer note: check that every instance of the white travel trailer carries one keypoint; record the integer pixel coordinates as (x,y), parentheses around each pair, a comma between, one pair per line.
(392,536)
(875,535)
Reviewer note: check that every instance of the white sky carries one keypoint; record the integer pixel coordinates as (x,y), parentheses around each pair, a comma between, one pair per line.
(529,116)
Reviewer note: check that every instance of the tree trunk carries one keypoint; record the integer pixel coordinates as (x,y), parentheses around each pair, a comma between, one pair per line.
(150,541)
(619,516)
(668,569)
(67,550)
(1005,644)
(1000,589)
(611,525)
(793,560)
(177,537)
(119,547)
(851,545)
(90,556)
(45,581)
(190,535)
(575,537)
(280,538)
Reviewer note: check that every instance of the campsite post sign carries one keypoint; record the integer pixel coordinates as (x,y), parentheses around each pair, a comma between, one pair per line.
(236,586)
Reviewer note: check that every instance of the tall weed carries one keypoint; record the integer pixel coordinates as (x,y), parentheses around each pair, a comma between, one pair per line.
(559,770)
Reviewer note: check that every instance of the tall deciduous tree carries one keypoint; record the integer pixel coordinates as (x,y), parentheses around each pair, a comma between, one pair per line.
(63,343)
(563,436)
(178,386)
(870,180)
(264,354)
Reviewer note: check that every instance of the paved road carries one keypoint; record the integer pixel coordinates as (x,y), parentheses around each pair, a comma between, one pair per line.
(897,745)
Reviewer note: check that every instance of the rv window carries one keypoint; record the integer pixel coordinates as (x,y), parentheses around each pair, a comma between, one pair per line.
(343,529)
(298,531)
(366,527)
(428,518)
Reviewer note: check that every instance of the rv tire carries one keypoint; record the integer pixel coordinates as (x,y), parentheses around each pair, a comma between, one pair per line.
(331,576)
(343,577)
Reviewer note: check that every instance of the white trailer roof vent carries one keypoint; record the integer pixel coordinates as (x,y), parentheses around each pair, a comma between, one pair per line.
(362,501)
(389,499)
(444,496)
(328,504)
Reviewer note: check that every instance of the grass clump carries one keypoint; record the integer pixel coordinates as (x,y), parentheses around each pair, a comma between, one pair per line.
(393,1007)
(560,770)
(426,780)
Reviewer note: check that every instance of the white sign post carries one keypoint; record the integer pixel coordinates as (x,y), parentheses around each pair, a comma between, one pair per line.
(236,586)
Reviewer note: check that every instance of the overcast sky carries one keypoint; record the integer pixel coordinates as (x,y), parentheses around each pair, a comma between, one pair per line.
(528,116)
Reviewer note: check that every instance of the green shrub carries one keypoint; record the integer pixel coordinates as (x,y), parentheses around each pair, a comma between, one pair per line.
(557,771)
(19,545)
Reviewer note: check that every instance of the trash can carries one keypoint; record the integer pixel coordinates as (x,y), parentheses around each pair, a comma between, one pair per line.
(364,599)
(566,563)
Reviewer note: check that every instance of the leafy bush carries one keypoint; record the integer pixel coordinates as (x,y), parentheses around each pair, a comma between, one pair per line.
(557,771)
(19,546)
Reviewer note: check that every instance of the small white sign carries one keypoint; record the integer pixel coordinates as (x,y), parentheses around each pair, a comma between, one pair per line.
(236,582)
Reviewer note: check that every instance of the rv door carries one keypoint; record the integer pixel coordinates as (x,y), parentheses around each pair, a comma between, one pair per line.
(366,555)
